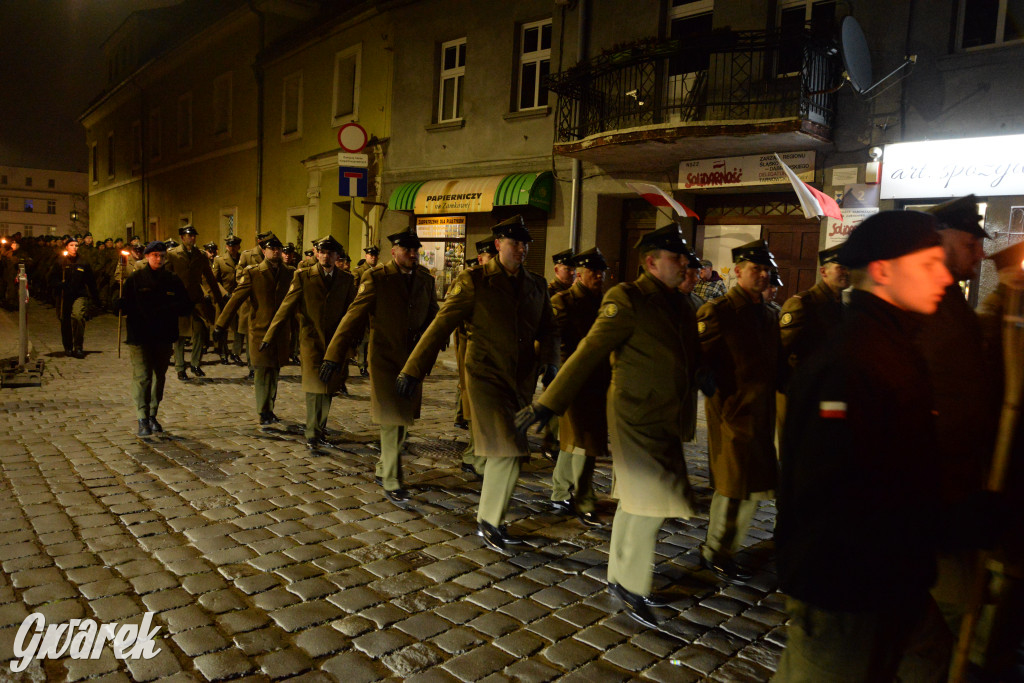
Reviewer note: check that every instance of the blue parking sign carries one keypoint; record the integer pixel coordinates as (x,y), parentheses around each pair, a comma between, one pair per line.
(351,181)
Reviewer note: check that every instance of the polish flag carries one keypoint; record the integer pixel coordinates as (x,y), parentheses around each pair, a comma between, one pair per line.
(658,197)
(815,203)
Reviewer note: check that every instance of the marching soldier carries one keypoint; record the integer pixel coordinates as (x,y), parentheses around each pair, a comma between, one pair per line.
(291,258)
(370,261)
(193,267)
(249,257)
(319,296)
(224,268)
(583,429)
(739,337)
(309,256)
(398,302)
(507,311)
(152,299)
(264,286)
(649,332)
(565,272)
(74,283)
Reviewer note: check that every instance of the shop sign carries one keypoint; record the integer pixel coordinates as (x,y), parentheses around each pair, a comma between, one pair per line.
(466,195)
(758,169)
(441,227)
(953,168)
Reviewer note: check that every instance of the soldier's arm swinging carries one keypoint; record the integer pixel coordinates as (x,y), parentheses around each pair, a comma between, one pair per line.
(351,327)
(285,311)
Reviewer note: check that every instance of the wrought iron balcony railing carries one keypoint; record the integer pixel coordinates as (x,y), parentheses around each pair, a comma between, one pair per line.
(724,77)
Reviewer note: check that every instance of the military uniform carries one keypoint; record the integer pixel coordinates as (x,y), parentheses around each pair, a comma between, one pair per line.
(225,267)
(74,282)
(193,267)
(740,340)
(152,300)
(249,257)
(264,286)
(397,307)
(505,316)
(319,299)
(363,346)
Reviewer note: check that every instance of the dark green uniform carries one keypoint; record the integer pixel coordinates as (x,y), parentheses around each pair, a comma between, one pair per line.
(249,257)
(75,285)
(193,267)
(805,321)
(225,270)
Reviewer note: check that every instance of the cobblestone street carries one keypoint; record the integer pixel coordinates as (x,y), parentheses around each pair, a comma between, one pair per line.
(263,561)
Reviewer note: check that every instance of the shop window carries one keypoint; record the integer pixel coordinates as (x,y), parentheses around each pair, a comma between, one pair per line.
(345,101)
(222,105)
(51,206)
(453,71)
(534,63)
(185,121)
(291,107)
(987,23)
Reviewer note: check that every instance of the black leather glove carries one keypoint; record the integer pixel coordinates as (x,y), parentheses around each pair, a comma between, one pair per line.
(405,385)
(327,370)
(218,334)
(263,346)
(547,374)
(533,414)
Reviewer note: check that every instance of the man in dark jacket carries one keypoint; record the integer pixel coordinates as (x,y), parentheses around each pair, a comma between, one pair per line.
(152,299)
(73,281)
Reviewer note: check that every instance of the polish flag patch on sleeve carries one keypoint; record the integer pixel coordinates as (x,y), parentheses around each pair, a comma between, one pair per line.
(835,410)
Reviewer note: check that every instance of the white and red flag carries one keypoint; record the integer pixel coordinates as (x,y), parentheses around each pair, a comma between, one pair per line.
(815,203)
(658,197)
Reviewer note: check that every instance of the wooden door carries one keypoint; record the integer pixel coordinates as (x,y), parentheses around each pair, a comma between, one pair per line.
(795,246)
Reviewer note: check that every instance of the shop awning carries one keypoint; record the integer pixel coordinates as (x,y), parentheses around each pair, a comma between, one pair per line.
(473,195)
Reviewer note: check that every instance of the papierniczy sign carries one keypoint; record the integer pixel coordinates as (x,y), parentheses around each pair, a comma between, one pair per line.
(954,168)
(758,169)
(82,639)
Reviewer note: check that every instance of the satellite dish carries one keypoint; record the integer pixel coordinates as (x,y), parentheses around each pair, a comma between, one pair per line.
(857,57)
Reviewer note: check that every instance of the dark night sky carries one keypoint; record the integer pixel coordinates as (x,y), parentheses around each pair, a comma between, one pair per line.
(51,67)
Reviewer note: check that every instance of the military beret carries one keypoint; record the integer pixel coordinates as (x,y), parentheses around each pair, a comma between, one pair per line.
(210,246)
(774,279)
(328,243)
(486,247)
(188,230)
(669,238)
(755,252)
(889,235)
(171,242)
(563,257)
(372,251)
(288,248)
(265,237)
(591,259)
(271,242)
(830,255)
(512,228)
(88,234)
(234,239)
(155,245)
(72,240)
(407,238)
(959,214)
(1010,257)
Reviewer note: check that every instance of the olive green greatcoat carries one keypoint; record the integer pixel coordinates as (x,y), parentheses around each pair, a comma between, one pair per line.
(556,286)
(740,339)
(398,308)
(585,423)
(504,317)
(320,307)
(249,257)
(224,270)
(804,323)
(193,267)
(265,289)
(649,334)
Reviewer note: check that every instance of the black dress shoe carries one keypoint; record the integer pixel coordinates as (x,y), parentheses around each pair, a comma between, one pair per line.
(461,424)
(508,538)
(144,429)
(236,359)
(224,360)
(363,372)
(251,376)
(589,519)
(469,469)
(183,375)
(378,481)
(264,420)
(635,605)
(155,426)
(313,446)
(562,507)
(549,453)
(727,570)
(272,419)
(492,536)
(399,495)
(198,371)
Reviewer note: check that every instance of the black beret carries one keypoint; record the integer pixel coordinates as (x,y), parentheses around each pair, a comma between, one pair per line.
(830,255)
(234,239)
(669,238)
(959,214)
(486,247)
(74,240)
(328,243)
(1010,257)
(407,238)
(155,245)
(512,228)
(755,252)
(563,257)
(592,259)
(889,235)
(188,230)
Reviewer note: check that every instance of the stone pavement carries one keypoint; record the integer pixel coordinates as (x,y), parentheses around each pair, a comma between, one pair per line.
(265,562)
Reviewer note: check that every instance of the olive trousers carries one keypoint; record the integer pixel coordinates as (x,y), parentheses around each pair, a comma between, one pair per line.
(149,371)
(574,475)
(728,522)
(500,477)
(631,551)
(389,466)
(318,407)
(265,383)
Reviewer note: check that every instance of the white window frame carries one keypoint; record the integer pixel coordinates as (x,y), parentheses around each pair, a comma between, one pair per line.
(536,57)
(458,73)
(185,124)
(287,134)
(1000,29)
(340,58)
(223,87)
(111,165)
(230,212)
(155,134)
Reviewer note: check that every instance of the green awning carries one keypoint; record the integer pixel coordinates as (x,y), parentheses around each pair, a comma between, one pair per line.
(478,194)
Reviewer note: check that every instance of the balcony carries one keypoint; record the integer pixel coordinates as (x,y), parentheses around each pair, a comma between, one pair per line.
(656,103)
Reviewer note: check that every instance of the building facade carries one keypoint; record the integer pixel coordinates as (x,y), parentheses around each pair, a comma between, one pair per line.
(37,202)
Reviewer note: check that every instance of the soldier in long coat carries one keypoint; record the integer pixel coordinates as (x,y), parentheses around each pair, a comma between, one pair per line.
(398,301)
(249,257)
(224,269)
(319,295)
(583,430)
(506,310)
(192,266)
(740,339)
(365,264)
(649,332)
(265,287)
